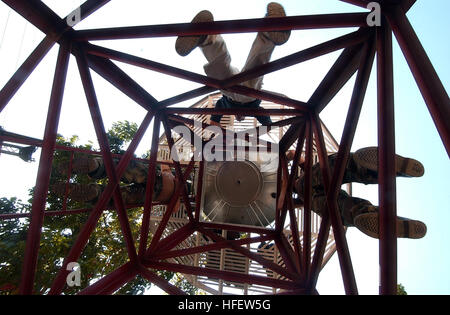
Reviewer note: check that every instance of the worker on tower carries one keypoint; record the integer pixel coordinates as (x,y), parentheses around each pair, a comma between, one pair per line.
(219,60)
(362,167)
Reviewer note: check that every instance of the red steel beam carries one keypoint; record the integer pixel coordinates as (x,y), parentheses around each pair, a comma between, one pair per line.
(339,74)
(428,81)
(256,257)
(360,3)
(24,71)
(41,16)
(12,216)
(295,237)
(282,194)
(43,176)
(175,238)
(209,247)
(106,153)
(360,88)
(405,4)
(170,207)
(119,79)
(145,225)
(89,226)
(152,65)
(188,75)
(238,228)
(354,111)
(111,282)
(291,177)
(178,171)
(299,57)
(199,190)
(386,162)
(160,282)
(223,27)
(233,111)
(334,214)
(37,13)
(221,274)
(186,96)
(307,195)
(286,252)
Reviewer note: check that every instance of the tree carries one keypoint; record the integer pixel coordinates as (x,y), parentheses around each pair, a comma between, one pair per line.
(401,290)
(105,250)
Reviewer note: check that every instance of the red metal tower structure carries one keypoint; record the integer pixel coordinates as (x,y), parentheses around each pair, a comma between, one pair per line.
(301,268)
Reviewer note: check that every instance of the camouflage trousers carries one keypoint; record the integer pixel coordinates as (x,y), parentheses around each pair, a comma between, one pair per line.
(135,174)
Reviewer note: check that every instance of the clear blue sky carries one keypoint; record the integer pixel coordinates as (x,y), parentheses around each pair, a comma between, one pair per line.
(423,264)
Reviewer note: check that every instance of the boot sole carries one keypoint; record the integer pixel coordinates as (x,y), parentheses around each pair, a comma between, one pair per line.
(185,44)
(275,10)
(368,158)
(368,223)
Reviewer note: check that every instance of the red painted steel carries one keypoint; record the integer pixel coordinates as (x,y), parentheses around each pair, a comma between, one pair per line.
(160,282)
(222,274)
(352,119)
(106,153)
(299,57)
(224,27)
(89,226)
(171,206)
(188,75)
(307,199)
(178,171)
(198,197)
(286,252)
(120,80)
(386,161)
(233,111)
(428,81)
(334,214)
(145,225)
(20,76)
(43,176)
(111,282)
(254,256)
(205,248)
(235,227)
(24,71)
(174,239)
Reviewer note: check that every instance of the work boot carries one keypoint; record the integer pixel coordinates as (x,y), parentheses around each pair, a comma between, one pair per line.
(185,44)
(77,192)
(275,10)
(362,167)
(368,223)
(404,167)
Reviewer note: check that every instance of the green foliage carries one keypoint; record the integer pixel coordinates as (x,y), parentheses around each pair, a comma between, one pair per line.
(401,290)
(104,252)
(13,235)
(120,133)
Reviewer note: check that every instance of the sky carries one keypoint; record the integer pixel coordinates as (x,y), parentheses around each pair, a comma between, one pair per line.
(422,264)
